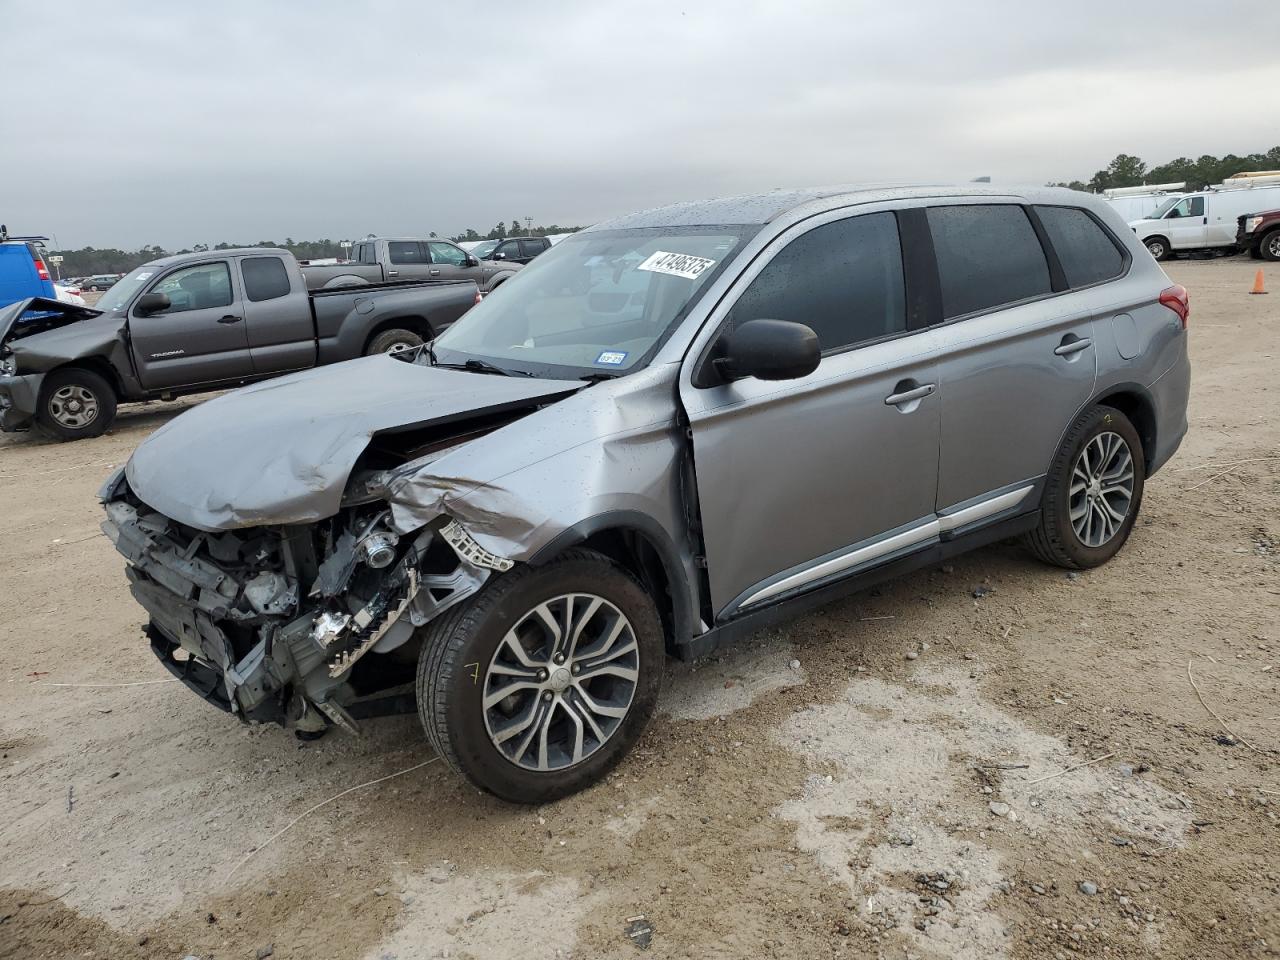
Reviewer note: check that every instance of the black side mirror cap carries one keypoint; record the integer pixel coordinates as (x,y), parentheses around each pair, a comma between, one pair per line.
(472,261)
(150,303)
(768,350)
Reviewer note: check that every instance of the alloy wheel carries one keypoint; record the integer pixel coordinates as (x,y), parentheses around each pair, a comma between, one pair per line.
(1102,483)
(73,406)
(1273,246)
(561,682)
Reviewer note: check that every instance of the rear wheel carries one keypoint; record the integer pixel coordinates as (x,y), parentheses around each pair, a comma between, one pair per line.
(1092,492)
(75,404)
(1159,248)
(1269,246)
(538,687)
(393,341)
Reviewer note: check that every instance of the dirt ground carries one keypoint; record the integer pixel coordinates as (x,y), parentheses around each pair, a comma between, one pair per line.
(881,779)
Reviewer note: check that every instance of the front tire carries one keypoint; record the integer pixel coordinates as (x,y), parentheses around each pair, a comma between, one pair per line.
(1093,491)
(393,341)
(538,686)
(75,404)
(1158,247)
(1269,246)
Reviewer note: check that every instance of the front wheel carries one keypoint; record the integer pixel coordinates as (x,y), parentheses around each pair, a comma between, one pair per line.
(1269,246)
(1092,492)
(537,688)
(75,404)
(1159,248)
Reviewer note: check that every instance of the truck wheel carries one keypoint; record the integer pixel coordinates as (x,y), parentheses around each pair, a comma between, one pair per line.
(539,686)
(1255,252)
(1269,246)
(393,341)
(1092,492)
(1159,248)
(75,403)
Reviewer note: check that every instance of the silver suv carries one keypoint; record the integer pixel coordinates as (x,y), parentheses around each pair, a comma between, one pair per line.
(666,432)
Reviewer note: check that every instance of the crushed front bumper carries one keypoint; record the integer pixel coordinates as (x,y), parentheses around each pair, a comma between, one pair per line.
(19,396)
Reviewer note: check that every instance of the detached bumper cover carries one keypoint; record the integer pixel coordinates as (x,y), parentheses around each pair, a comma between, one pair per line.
(19,396)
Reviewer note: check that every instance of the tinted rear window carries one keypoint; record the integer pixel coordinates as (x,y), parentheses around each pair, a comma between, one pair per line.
(1084,249)
(405,251)
(988,255)
(265,278)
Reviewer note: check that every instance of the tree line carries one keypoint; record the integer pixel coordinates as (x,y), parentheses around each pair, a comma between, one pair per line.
(1126,170)
(88,261)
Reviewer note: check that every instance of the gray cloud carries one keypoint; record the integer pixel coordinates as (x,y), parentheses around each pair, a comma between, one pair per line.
(179,124)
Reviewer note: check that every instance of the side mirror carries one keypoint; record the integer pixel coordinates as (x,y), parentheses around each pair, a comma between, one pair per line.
(768,350)
(150,303)
(499,256)
(472,261)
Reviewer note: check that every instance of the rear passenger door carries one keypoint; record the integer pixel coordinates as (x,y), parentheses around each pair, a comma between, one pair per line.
(1016,360)
(408,260)
(278,317)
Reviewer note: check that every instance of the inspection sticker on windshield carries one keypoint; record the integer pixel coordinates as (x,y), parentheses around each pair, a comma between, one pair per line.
(612,358)
(676,264)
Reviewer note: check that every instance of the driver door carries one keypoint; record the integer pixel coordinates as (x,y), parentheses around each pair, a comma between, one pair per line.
(805,481)
(201,338)
(450,263)
(1186,224)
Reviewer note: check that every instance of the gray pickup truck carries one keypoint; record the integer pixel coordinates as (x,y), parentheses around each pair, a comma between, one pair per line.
(199,322)
(377,260)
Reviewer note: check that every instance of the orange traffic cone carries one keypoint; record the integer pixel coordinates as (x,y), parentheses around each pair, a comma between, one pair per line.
(1257,283)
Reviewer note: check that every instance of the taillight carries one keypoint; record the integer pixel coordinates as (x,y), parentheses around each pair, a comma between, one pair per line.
(1177,300)
(478,297)
(40,267)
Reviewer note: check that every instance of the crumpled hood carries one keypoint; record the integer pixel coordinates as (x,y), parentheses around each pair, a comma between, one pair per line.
(281,451)
(43,317)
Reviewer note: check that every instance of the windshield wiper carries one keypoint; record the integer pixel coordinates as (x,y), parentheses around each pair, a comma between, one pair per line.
(599,377)
(483,366)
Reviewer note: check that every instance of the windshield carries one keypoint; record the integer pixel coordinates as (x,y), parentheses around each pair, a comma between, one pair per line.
(482,249)
(596,303)
(1164,208)
(122,291)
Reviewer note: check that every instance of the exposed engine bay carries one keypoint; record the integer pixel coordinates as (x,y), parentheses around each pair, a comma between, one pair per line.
(275,623)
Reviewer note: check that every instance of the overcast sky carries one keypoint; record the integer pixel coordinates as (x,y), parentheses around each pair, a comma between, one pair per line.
(124,124)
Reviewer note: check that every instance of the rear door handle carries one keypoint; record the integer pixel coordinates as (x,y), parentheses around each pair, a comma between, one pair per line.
(229,318)
(1068,347)
(901,395)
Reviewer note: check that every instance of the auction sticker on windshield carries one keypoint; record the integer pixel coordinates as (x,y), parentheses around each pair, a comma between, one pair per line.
(612,358)
(676,264)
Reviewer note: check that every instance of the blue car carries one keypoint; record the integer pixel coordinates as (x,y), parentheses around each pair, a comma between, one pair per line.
(23,273)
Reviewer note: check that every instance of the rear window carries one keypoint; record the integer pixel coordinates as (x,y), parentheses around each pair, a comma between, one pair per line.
(265,278)
(1086,252)
(405,251)
(988,255)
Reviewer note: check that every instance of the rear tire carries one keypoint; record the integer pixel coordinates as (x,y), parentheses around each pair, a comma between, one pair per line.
(467,656)
(1090,501)
(75,404)
(1158,248)
(393,341)
(1269,246)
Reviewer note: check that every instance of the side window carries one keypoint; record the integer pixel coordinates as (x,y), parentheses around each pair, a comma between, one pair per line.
(1084,249)
(843,279)
(406,251)
(265,278)
(531,248)
(1189,207)
(447,253)
(988,255)
(510,249)
(1197,206)
(196,288)
(368,254)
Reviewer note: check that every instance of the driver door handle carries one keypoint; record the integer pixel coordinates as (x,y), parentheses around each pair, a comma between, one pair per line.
(434,272)
(906,396)
(229,318)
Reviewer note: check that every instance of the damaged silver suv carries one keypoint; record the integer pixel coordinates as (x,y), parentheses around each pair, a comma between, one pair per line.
(669,430)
